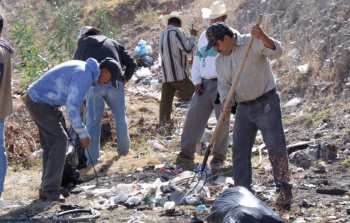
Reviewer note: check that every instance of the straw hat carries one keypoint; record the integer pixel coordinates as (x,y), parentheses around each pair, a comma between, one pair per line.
(216,10)
(174,14)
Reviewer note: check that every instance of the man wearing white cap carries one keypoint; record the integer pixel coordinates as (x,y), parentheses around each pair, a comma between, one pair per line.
(174,48)
(204,101)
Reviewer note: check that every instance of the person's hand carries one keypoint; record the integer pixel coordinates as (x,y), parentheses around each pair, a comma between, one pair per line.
(193,32)
(258,33)
(227,111)
(86,142)
(199,89)
(124,83)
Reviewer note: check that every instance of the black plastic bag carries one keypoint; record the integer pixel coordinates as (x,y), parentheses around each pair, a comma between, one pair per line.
(239,205)
(70,173)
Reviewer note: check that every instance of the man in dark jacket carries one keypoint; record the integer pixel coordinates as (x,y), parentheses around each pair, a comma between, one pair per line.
(92,44)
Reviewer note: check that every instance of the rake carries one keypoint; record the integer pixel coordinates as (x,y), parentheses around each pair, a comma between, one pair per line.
(199,174)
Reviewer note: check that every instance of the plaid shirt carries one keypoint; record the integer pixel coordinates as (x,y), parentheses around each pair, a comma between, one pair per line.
(256,77)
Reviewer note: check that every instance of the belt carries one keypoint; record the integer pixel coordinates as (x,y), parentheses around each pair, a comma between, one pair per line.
(211,79)
(263,97)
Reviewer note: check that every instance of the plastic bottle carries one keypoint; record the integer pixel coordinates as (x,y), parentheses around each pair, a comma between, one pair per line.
(201,207)
(158,146)
(124,187)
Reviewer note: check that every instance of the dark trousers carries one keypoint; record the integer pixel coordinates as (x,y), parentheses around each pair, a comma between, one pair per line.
(53,140)
(265,116)
(168,91)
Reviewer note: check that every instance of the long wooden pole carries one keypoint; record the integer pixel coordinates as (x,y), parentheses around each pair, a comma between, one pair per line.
(228,100)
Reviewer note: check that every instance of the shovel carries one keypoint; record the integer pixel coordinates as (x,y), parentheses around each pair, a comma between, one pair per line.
(200,173)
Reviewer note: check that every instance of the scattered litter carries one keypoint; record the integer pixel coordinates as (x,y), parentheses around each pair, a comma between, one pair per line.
(142,48)
(201,208)
(143,72)
(93,215)
(139,169)
(303,68)
(122,197)
(193,199)
(169,205)
(160,166)
(293,102)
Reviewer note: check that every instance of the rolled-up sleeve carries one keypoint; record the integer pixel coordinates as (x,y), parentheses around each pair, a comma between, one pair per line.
(267,52)
(195,74)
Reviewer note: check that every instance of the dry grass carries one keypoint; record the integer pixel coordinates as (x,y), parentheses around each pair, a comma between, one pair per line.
(22,183)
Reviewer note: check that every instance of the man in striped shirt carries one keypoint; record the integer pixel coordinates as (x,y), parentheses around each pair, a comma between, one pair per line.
(174,47)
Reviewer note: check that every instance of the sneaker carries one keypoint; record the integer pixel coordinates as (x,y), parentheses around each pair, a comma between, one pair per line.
(284,199)
(53,195)
(183,159)
(1,201)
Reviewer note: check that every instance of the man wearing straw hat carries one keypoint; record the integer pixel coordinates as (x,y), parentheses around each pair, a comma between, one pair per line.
(204,101)
(258,102)
(174,47)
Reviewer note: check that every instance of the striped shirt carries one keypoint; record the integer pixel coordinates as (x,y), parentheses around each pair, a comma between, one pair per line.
(256,78)
(174,48)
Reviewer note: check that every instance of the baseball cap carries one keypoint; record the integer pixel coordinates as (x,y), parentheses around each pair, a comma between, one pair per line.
(215,32)
(113,67)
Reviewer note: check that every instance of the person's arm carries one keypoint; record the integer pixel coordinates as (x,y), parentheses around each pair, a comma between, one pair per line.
(265,45)
(126,60)
(224,85)
(186,45)
(195,74)
(79,86)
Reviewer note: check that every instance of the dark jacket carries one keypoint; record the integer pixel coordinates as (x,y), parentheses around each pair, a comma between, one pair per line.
(99,47)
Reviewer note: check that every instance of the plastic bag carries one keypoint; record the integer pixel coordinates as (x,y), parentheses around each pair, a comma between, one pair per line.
(141,48)
(239,205)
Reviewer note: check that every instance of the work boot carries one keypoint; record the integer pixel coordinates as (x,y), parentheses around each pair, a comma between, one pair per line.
(216,164)
(284,199)
(183,159)
(53,195)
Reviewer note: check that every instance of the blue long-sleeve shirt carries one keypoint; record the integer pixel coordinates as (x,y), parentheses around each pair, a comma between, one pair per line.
(66,85)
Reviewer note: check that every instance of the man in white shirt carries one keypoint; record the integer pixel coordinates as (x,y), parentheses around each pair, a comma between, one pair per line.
(205,100)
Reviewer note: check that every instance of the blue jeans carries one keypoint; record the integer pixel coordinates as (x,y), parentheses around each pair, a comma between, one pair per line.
(250,118)
(115,99)
(3,157)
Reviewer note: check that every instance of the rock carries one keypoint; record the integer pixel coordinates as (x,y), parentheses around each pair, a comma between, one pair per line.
(304,203)
(301,158)
(318,135)
(300,169)
(319,170)
(331,191)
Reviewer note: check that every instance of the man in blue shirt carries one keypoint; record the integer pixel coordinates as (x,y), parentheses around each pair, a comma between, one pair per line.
(64,85)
